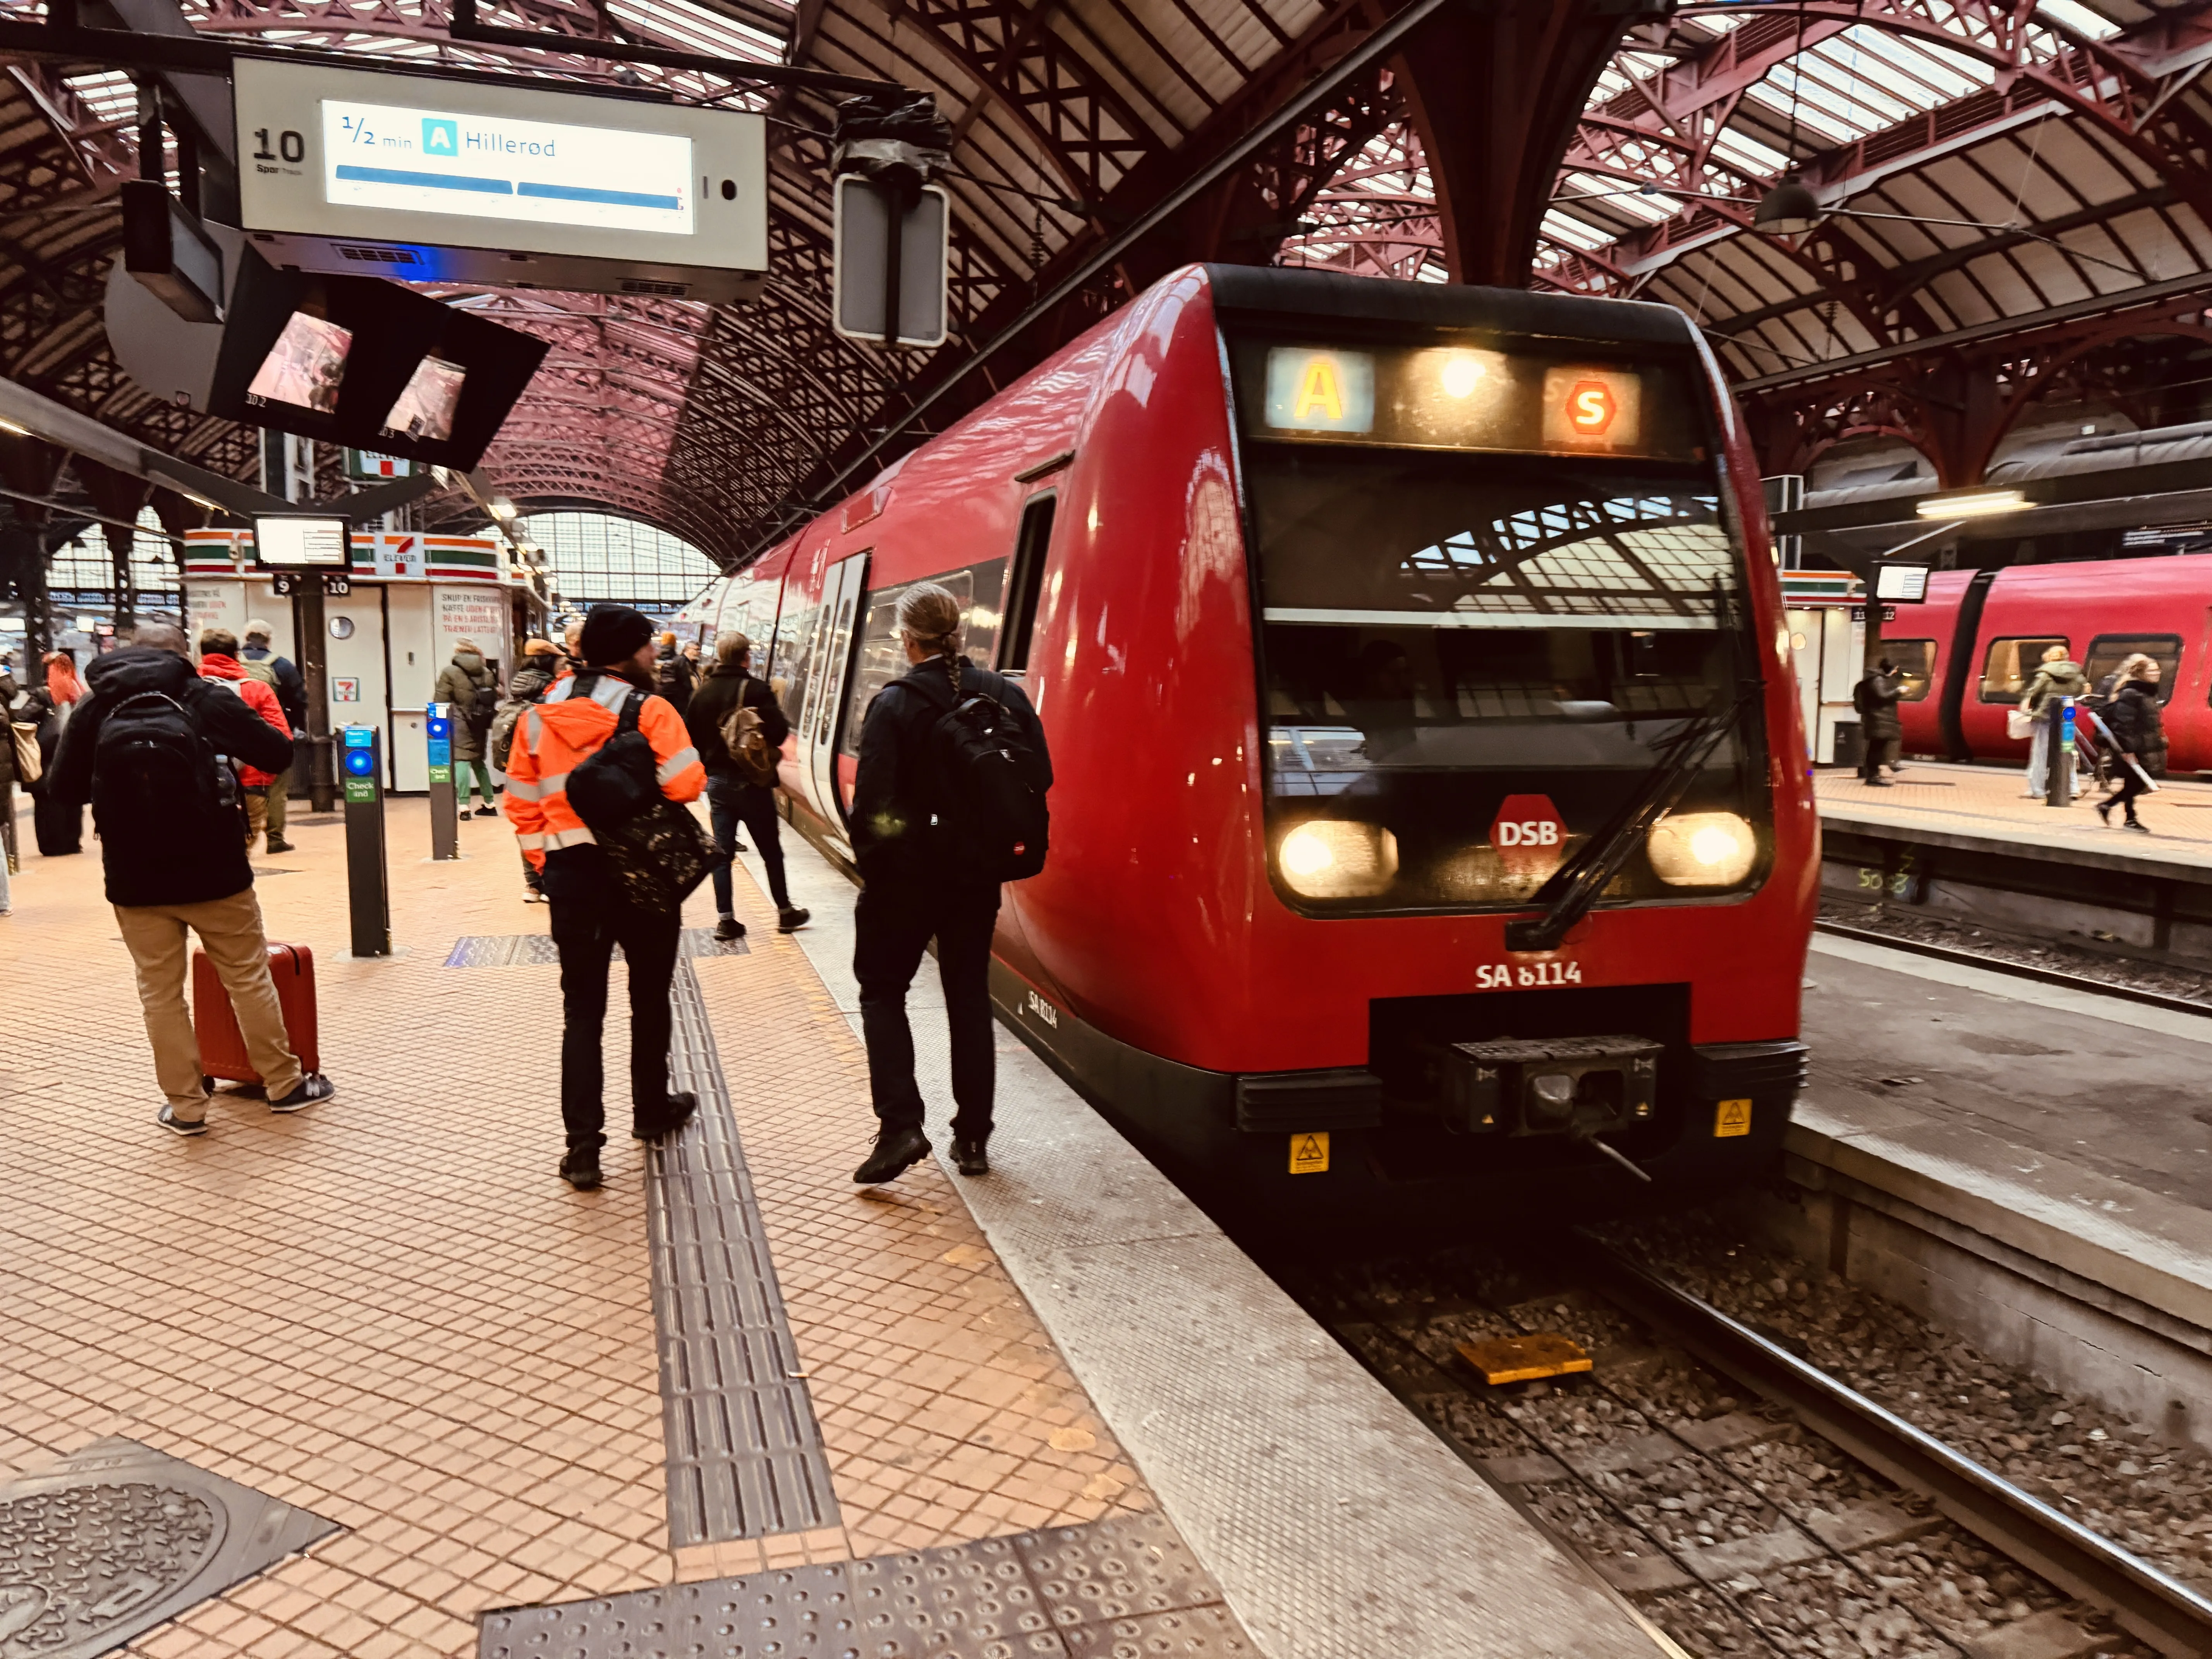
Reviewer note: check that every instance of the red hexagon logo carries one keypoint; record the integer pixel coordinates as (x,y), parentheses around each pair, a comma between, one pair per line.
(1529,836)
(1591,407)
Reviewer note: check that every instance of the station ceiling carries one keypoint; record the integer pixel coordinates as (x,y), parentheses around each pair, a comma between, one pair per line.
(2014,189)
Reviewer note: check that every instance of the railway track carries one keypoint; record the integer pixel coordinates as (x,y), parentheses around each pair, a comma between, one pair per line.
(2018,970)
(1747,1502)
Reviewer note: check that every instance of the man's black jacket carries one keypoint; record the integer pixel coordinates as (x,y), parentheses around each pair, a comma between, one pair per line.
(291,683)
(191,856)
(710,705)
(896,799)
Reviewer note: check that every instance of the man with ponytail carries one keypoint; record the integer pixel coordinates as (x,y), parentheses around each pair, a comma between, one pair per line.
(930,870)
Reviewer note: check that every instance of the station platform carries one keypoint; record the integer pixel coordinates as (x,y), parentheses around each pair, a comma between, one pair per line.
(391,1388)
(2023,1163)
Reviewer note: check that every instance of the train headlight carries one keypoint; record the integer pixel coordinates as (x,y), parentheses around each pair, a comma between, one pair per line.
(1702,849)
(1329,858)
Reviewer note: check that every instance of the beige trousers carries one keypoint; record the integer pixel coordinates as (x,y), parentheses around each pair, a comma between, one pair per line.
(159,938)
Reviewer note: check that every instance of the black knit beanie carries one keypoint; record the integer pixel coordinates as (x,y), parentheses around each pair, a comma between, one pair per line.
(613,633)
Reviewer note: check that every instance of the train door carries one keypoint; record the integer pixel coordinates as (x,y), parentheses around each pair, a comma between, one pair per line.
(843,589)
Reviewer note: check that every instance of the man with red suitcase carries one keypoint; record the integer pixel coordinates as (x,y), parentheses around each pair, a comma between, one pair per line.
(152,748)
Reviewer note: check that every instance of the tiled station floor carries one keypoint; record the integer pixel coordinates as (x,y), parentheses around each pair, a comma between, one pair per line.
(390,1311)
(1989,801)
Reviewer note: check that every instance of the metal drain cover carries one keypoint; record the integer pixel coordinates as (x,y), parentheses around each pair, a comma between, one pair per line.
(119,1537)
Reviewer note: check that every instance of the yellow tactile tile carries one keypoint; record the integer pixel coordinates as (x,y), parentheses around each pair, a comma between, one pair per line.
(390,1310)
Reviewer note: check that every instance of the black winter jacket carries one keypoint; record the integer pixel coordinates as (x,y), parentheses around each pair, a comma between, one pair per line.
(291,685)
(183,860)
(895,834)
(2137,726)
(710,705)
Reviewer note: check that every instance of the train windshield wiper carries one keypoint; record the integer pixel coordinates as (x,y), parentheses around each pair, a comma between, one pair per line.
(1575,885)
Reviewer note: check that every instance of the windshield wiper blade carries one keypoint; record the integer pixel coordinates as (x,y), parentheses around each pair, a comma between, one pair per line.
(1577,883)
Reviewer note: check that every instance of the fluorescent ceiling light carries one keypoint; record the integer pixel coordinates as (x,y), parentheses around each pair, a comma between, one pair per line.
(1974,506)
(501,508)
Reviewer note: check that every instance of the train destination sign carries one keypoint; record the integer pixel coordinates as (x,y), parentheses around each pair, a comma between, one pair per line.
(1468,397)
(370,172)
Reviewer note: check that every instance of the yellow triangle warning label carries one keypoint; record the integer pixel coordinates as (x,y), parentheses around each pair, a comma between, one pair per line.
(1732,1117)
(1310,1152)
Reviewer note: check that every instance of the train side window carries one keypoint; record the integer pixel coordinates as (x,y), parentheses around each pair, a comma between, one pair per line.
(2012,664)
(1912,657)
(1031,543)
(2108,650)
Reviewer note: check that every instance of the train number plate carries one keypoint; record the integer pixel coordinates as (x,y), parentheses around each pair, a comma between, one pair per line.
(1511,975)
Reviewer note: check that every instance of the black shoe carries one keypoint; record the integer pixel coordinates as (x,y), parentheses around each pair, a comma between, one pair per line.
(896,1151)
(580,1168)
(672,1118)
(740,847)
(487,811)
(792,917)
(181,1126)
(278,844)
(727,928)
(2137,825)
(969,1157)
(313,1087)
(2105,813)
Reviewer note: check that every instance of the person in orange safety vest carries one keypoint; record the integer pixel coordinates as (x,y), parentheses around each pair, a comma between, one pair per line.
(590,914)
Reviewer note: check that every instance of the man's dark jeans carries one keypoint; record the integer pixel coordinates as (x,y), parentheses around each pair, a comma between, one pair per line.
(894,922)
(586,931)
(730,802)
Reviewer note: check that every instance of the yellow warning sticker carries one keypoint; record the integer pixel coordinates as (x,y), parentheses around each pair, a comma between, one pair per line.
(1310,1153)
(1732,1117)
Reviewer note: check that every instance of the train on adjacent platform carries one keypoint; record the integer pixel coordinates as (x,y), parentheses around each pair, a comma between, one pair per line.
(1969,650)
(1432,829)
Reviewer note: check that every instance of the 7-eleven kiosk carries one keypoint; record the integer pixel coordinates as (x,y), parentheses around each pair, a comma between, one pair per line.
(412,598)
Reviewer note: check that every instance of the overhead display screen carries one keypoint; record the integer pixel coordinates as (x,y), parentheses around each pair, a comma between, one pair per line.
(1544,399)
(292,543)
(434,180)
(305,366)
(429,160)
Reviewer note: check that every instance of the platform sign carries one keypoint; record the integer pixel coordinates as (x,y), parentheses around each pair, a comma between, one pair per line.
(362,464)
(371,171)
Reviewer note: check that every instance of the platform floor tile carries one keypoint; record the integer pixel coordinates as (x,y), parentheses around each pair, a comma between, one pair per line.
(389,1310)
(1987,800)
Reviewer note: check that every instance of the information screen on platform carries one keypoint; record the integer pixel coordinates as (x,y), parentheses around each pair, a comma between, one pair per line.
(372,172)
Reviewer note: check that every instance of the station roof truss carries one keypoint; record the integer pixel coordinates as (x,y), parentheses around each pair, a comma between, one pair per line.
(2011,185)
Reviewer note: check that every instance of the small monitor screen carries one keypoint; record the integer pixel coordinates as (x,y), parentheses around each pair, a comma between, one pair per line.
(304,367)
(1905,583)
(292,542)
(425,409)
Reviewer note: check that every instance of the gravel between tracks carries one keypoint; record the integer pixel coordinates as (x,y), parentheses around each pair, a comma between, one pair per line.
(1716,1516)
(2085,961)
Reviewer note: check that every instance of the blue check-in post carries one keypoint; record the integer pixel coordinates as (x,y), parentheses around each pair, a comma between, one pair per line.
(2058,775)
(445,816)
(369,897)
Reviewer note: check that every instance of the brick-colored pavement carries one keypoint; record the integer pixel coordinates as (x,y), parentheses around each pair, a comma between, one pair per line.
(390,1310)
(1988,801)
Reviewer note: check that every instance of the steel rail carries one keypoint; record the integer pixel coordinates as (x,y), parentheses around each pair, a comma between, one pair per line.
(1961,959)
(2149,1603)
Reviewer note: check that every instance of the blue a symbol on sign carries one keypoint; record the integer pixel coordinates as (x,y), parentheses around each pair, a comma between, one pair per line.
(440,137)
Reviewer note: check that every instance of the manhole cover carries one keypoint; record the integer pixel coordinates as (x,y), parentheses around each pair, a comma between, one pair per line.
(119,1537)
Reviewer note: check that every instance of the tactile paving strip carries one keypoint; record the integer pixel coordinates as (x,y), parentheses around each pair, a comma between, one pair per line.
(120,1538)
(745,1457)
(986,1599)
(536,950)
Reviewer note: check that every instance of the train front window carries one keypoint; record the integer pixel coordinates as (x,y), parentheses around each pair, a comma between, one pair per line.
(1471,661)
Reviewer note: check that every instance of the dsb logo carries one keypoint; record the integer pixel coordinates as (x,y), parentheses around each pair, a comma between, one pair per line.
(1529,835)
(1529,832)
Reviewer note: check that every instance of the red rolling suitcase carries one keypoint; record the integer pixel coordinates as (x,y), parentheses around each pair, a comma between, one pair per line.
(222,1045)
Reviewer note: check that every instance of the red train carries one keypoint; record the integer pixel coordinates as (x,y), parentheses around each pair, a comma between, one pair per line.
(1972,646)
(1380,630)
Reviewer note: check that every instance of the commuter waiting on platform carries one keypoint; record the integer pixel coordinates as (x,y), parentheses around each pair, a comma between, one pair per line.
(151,749)
(282,675)
(541,667)
(592,909)
(466,682)
(740,755)
(2139,733)
(2060,676)
(219,662)
(917,837)
(1875,698)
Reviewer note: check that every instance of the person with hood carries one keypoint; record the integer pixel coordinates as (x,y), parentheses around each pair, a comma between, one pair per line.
(591,912)
(921,881)
(2138,732)
(674,676)
(1875,698)
(151,749)
(541,667)
(281,674)
(2060,676)
(466,682)
(219,662)
(732,797)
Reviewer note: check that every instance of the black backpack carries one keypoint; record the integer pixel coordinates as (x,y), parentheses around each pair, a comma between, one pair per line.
(151,766)
(482,705)
(999,824)
(657,850)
